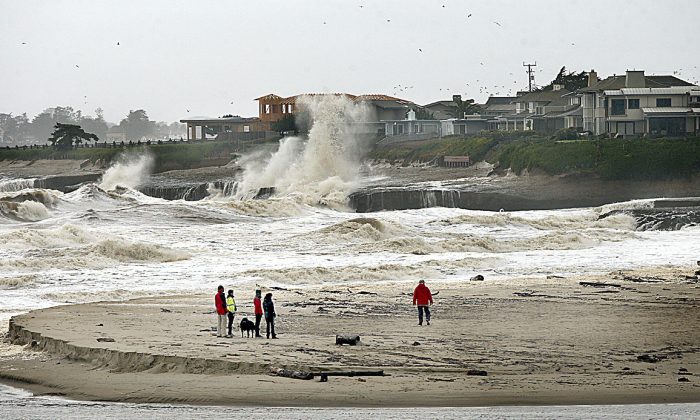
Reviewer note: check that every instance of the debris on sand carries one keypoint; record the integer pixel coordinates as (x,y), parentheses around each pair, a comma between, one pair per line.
(351,340)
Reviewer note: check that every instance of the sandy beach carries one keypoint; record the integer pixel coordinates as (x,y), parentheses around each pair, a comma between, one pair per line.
(540,341)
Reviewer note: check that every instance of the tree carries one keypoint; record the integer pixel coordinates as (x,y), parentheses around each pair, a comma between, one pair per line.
(13,129)
(137,125)
(467,107)
(572,81)
(98,126)
(287,123)
(43,123)
(424,114)
(64,135)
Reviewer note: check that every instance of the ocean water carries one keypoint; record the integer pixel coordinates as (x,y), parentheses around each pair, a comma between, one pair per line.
(107,241)
(16,403)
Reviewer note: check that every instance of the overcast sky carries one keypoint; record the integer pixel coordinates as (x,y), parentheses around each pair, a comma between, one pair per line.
(215,57)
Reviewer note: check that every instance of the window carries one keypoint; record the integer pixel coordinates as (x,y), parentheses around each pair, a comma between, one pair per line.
(633,104)
(246,129)
(267,108)
(617,107)
(663,102)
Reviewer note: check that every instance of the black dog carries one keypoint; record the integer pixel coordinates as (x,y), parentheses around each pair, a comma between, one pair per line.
(247,326)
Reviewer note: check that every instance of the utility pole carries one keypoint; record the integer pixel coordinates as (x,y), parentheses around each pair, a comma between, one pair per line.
(530,75)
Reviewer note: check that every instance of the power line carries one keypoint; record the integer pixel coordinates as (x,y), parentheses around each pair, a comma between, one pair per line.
(530,75)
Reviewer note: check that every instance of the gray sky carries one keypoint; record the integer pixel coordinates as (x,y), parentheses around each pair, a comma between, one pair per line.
(202,55)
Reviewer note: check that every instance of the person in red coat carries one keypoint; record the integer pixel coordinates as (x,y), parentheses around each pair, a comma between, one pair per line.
(221,310)
(257,304)
(423,298)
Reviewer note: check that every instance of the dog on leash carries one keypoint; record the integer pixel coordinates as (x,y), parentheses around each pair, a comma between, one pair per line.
(248,326)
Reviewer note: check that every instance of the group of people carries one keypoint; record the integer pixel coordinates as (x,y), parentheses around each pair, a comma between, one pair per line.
(226,310)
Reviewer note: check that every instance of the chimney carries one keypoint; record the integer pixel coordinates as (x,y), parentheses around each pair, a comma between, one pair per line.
(635,79)
(456,98)
(592,78)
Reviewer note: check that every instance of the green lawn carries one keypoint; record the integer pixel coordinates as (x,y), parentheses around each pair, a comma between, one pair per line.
(663,158)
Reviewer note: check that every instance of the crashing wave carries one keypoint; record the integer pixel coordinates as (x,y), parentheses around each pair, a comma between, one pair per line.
(11,185)
(26,211)
(559,221)
(15,282)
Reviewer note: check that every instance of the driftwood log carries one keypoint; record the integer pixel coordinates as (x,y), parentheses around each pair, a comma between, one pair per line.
(294,374)
(351,340)
(598,284)
(324,375)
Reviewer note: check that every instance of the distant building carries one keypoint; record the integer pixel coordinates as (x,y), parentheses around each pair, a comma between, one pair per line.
(116,134)
(497,106)
(637,104)
(540,110)
(442,110)
(272,108)
(203,127)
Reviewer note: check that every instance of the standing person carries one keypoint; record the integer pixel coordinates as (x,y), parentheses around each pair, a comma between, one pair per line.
(231,307)
(423,298)
(220,303)
(258,312)
(269,308)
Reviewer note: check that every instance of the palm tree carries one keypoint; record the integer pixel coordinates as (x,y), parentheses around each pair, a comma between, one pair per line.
(467,107)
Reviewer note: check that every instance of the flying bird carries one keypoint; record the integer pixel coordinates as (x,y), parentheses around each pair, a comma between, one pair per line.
(117,42)
(388,20)
(469,15)
(420,50)
(77,66)
(496,23)
(188,110)
(24,43)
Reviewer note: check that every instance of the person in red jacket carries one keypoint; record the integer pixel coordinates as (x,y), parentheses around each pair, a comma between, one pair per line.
(221,310)
(423,298)
(258,312)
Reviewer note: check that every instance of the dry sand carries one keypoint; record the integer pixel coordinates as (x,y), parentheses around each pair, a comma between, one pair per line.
(558,342)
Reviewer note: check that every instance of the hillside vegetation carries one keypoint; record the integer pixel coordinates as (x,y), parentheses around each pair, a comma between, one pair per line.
(660,158)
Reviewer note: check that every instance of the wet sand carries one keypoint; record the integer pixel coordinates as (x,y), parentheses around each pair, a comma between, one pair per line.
(541,341)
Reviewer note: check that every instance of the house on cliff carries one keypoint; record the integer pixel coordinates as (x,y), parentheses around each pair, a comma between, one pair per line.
(637,104)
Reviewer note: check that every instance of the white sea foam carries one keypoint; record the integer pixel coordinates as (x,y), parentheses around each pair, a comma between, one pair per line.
(9,185)
(130,171)
(549,220)
(14,282)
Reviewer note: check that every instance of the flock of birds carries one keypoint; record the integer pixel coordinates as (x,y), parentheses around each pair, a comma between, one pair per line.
(489,90)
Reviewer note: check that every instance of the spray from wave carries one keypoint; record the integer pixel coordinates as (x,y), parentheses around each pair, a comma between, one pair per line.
(130,171)
(321,169)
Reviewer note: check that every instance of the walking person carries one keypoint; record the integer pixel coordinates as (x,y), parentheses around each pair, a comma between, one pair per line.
(220,303)
(258,312)
(231,307)
(423,299)
(269,308)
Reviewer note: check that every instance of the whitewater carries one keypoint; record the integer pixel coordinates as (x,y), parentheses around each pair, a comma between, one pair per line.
(108,241)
